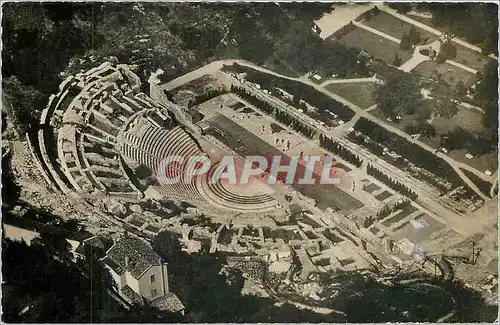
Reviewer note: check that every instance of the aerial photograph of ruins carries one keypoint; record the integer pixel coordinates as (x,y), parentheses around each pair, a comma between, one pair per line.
(265,162)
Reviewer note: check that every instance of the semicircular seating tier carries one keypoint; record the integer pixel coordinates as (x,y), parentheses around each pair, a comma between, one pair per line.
(145,144)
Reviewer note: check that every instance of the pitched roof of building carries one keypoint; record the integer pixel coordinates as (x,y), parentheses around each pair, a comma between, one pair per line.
(132,296)
(169,302)
(140,256)
(99,242)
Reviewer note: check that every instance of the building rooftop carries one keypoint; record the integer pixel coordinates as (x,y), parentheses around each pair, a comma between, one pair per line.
(132,296)
(169,302)
(133,255)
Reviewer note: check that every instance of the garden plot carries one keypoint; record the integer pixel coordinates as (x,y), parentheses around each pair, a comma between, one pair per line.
(446,72)
(396,27)
(361,94)
(372,187)
(384,195)
(467,118)
(379,47)
(470,58)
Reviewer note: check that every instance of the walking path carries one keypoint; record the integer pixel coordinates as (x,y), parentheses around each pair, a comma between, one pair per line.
(407,19)
(331,22)
(351,80)
(376,31)
(461,66)
(418,57)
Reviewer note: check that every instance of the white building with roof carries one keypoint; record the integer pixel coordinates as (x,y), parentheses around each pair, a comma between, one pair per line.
(141,274)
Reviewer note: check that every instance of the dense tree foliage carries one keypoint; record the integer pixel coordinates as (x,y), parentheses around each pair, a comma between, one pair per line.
(413,152)
(448,51)
(400,7)
(476,143)
(340,150)
(10,190)
(300,91)
(393,184)
(400,95)
(279,114)
(426,130)
(487,94)
(24,103)
(446,108)
(475,22)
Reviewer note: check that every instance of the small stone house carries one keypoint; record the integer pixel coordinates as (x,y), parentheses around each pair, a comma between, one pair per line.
(141,274)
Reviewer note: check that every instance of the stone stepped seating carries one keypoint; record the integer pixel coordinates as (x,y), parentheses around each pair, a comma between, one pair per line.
(148,145)
(104,124)
(115,184)
(219,195)
(136,107)
(103,136)
(102,171)
(126,108)
(97,159)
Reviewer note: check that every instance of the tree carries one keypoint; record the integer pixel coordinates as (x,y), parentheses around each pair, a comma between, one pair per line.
(400,7)
(397,60)
(449,50)
(440,58)
(405,42)
(487,94)
(447,108)
(414,35)
(399,95)
(25,102)
(460,88)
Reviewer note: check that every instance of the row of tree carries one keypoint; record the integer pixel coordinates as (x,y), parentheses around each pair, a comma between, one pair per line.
(295,124)
(448,51)
(277,113)
(207,95)
(340,150)
(299,91)
(393,184)
(411,151)
(477,144)
(387,210)
(410,39)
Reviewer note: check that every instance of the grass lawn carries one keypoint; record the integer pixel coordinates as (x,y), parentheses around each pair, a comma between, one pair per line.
(470,58)
(371,188)
(384,195)
(281,67)
(482,185)
(469,119)
(396,27)
(482,163)
(359,93)
(379,47)
(449,73)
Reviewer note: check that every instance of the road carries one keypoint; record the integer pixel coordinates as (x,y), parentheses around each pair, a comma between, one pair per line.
(417,57)
(461,66)
(351,80)
(212,67)
(377,32)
